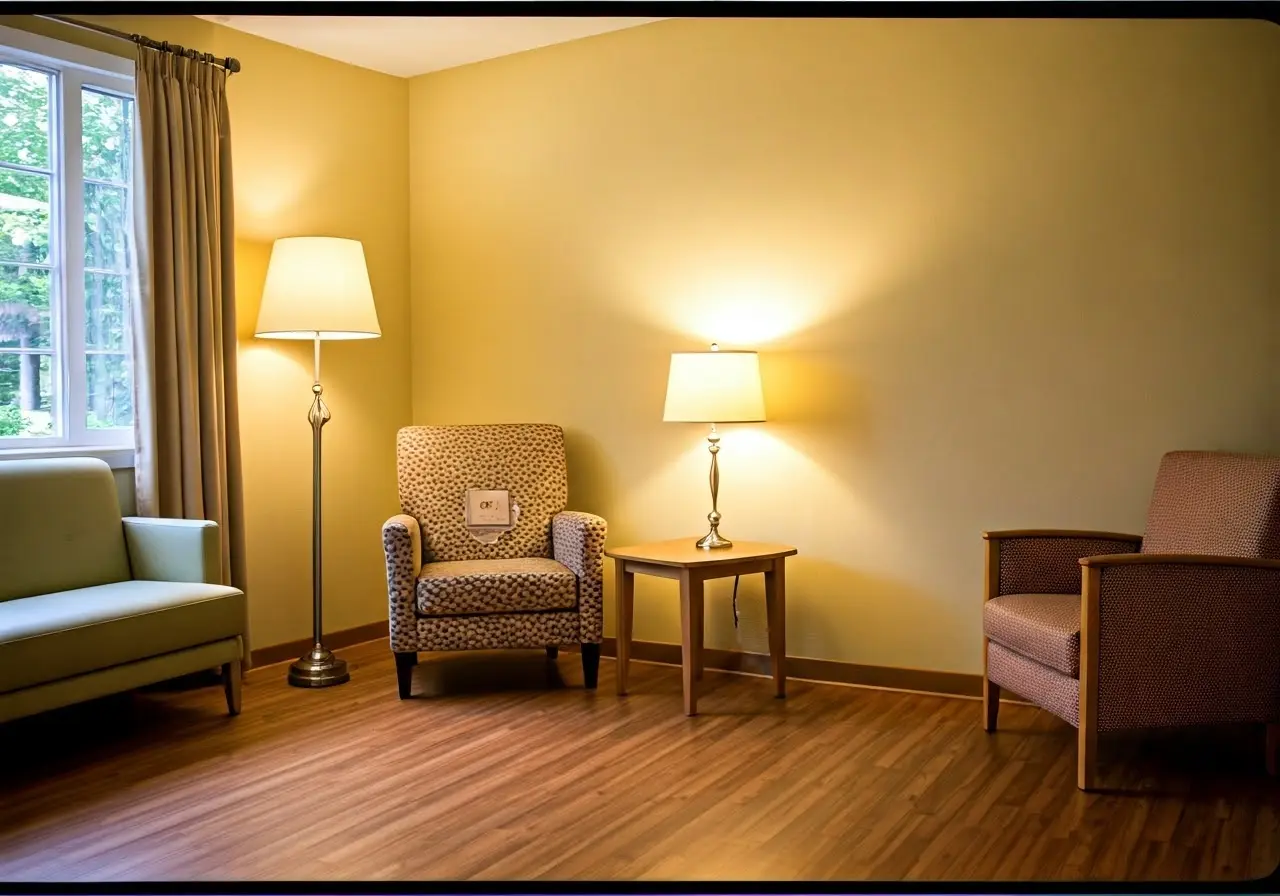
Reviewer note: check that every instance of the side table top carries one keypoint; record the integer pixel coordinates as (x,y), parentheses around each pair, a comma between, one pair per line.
(682,552)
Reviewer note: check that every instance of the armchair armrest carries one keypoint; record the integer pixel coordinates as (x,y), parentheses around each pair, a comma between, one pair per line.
(1000,534)
(171,550)
(1105,560)
(1045,561)
(577,541)
(1180,639)
(402,544)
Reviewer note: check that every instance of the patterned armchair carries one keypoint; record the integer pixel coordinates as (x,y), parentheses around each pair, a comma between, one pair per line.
(540,584)
(1177,627)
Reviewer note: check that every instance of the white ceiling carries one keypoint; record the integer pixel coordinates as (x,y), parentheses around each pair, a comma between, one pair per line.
(414,45)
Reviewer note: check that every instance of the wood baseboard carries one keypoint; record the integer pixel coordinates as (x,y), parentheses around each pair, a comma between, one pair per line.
(954,684)
(927,681)
(291,650)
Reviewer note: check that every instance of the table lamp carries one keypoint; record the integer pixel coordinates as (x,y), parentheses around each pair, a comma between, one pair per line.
(317,288)
(714,387)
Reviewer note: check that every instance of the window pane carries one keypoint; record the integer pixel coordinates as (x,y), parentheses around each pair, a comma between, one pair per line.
(24,114)
(26,395)
(106,127)
(105,227)
(110,390)
(24,307)
(24,216)
(106,312)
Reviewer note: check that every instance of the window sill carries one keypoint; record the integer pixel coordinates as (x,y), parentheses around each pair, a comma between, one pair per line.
(116,458)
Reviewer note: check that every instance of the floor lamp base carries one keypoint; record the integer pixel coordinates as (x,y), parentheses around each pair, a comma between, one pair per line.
(318,668)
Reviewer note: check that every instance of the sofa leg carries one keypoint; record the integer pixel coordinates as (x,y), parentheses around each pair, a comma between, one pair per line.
(591,665)
(1273,748)
(231,686)
(990,704)
(405,661)
(553,652)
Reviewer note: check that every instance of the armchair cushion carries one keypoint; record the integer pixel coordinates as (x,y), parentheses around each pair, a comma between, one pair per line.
(466,587)
(1045,687)
(1043,627)
(55,636)
(1217,503)
(437,464)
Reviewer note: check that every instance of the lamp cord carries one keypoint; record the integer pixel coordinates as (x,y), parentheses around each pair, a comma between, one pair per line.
(735,601)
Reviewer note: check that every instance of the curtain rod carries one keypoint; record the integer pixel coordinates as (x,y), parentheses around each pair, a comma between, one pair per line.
(231,65)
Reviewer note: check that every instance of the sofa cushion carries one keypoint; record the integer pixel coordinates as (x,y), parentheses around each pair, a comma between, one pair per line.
(52,636)
(461,587)
(59,526)
(1044,627)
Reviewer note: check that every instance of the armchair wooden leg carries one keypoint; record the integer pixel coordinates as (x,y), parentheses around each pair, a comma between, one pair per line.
(1273,749)
(1087,757)
(990,694)
(231,686)
(405,661)
(553,652)
(591,665)
(990,704)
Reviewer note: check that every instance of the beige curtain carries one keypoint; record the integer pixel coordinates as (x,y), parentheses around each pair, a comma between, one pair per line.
(188,449)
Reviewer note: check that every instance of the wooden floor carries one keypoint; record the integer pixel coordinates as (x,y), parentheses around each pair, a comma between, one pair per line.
(501,767)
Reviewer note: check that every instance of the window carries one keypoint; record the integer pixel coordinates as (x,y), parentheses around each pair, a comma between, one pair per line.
(66,232)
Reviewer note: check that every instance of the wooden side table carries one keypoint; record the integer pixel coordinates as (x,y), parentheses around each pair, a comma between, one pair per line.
(692,566)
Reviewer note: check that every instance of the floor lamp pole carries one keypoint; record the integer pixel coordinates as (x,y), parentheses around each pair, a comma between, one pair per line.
(318,668)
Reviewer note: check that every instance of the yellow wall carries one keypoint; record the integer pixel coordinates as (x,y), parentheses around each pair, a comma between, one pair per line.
(320,148)
(995,269)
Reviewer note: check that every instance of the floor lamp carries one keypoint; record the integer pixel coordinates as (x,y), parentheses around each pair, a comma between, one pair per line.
(317,288)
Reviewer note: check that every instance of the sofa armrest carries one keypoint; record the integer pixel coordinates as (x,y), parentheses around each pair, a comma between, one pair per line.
(171,550)
(577,541)
(402,544)
(1180,639)
(1045,561)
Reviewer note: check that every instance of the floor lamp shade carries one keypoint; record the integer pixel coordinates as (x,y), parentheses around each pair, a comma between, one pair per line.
(317,287)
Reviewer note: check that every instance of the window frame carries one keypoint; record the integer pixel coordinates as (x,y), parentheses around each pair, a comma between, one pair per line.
(74,68)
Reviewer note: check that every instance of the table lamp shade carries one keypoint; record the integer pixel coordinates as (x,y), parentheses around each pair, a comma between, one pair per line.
(317,286)
(714,387)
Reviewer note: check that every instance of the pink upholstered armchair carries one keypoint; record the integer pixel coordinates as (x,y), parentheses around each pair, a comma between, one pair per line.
(1180,626)
(538,584)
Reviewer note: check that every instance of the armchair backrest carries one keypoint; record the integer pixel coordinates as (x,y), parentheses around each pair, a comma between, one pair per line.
(1215,502)
(437,464)
(59,527)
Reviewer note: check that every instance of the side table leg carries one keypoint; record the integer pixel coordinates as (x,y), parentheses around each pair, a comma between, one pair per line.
(699,616)
(624,589)
(775,596)
(690,626)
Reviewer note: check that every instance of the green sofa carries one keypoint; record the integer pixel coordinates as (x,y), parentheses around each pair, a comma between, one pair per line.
(92,603)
